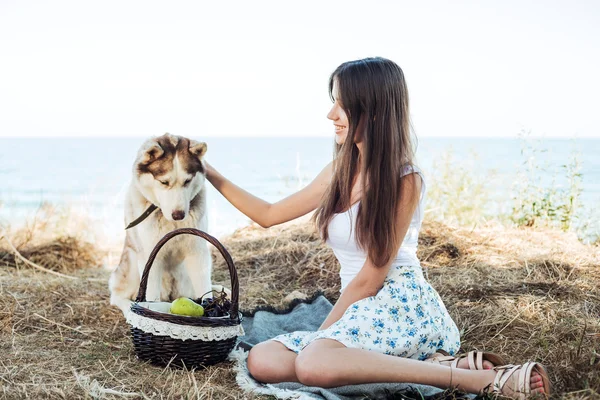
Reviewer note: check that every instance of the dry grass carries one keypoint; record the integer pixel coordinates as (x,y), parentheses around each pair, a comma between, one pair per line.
(524,294)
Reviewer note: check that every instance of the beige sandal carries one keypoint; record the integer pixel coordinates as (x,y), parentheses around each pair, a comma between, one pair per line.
(523,382)
(474,357)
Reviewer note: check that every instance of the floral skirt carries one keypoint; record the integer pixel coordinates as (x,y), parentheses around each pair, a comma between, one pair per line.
(406,318)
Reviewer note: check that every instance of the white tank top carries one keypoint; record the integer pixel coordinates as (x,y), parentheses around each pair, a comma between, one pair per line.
(343,243)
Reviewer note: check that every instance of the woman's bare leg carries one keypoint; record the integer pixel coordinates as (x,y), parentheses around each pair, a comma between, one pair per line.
(272,362)
(328,363)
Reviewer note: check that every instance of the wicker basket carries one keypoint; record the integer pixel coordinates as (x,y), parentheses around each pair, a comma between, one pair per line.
(182,341)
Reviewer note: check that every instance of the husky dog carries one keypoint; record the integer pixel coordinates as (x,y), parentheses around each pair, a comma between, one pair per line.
(169,176)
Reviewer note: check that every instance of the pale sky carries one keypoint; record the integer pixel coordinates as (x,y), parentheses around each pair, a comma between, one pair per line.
(260,68)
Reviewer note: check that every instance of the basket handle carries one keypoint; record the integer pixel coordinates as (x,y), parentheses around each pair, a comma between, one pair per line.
(235,287)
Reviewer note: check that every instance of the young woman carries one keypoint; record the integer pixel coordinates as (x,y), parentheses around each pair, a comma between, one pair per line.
(368,206)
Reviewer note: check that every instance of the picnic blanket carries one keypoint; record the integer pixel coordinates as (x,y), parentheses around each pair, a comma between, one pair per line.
(267,322)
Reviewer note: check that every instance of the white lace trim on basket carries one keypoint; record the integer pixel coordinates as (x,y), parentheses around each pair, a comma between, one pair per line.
(183,332)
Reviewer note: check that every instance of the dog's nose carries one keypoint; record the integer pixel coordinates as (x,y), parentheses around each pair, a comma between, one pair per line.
(178,215)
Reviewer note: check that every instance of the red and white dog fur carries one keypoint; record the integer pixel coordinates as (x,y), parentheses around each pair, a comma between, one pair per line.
(169,173)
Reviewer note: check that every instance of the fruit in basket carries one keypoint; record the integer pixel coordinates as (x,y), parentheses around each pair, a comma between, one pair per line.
(217,306)
(185,306)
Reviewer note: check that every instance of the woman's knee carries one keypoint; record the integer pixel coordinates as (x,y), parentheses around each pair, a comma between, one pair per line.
(263,363)
(258,361)
(311,369)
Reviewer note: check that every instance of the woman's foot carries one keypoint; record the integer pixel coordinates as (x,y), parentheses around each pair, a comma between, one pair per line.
(472,360)
(519,381)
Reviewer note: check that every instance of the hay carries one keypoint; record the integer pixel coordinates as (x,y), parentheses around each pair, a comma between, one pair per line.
(58,255)
(526,294)
(276,262)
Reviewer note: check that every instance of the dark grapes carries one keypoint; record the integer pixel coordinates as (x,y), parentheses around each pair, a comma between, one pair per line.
(217,306)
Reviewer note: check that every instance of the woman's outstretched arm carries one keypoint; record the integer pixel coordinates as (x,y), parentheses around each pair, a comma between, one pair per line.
(268,214)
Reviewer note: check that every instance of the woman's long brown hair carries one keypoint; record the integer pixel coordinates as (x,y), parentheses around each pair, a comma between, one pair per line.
(371,90)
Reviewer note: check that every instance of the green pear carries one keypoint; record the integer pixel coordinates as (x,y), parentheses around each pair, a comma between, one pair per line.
(185,306)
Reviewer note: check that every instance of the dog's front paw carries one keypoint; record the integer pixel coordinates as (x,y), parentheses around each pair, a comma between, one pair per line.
(123,304)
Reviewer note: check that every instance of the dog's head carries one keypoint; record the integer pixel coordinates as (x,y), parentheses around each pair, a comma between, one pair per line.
(170,173)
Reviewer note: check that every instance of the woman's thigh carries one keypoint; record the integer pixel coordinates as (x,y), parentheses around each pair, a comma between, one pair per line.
(272,362)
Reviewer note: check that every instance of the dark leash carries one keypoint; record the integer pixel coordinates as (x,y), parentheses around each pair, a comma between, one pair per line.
(142,217)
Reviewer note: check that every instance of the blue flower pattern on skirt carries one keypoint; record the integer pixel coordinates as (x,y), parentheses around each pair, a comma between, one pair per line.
(406,318)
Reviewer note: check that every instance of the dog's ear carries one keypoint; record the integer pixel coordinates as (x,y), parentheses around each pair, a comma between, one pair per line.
(198,148)
(152,153)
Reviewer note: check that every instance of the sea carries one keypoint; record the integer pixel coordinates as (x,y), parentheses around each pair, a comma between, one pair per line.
(90,175)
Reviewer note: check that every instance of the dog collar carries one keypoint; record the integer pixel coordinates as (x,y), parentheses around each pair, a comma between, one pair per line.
(142,217)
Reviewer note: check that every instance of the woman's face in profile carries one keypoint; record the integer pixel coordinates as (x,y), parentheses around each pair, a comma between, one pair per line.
(338,116)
